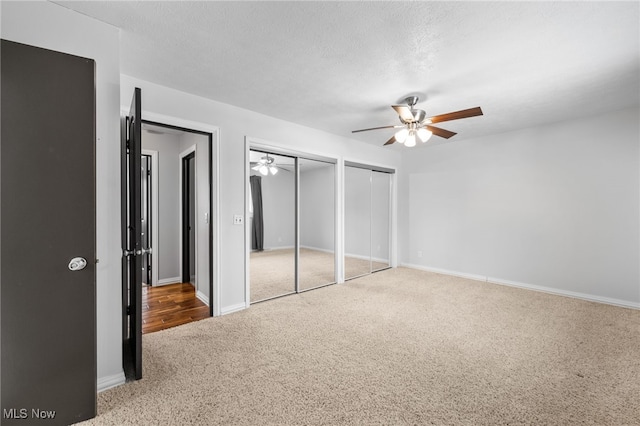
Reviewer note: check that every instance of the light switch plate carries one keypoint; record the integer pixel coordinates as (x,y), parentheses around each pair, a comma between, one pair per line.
(238,219)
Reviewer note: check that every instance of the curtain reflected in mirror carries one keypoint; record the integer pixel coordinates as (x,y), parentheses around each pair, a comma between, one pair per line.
(272,218)
(357,230)
(317,229)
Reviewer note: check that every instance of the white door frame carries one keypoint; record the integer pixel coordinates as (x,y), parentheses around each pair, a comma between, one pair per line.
(214,220)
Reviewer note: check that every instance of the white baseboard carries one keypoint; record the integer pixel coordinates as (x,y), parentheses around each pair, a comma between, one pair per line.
(318,249)
(576,295)
(200,295)
(172,280)
(543,289)
(279,248)
(112,381)
(233,308)
(361,257)
(445,272)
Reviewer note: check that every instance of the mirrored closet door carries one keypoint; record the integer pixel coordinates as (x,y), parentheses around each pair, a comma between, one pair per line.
(367,219)
(357,221)
(380,220)
(292,223)
(272,212)
(317,229)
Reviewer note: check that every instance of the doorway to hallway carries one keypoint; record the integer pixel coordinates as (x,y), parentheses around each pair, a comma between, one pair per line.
(175,226)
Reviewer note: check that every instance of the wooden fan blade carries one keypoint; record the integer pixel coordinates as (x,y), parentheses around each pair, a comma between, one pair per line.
(377,128)
(465,113)
(404,112)
(390,141)
(440,132)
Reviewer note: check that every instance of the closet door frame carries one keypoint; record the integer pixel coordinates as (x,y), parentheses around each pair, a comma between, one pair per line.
(254,144)
(392,213)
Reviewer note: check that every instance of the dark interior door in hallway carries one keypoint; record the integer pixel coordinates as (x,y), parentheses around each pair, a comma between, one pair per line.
(132,248)
(48,246)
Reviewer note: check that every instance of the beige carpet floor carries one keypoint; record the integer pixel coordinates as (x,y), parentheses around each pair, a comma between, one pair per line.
(399,347)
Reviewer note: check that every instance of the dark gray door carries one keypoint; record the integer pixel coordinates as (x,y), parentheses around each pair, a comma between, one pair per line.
(47,179)
(146,218)
(132,239)
(188,219)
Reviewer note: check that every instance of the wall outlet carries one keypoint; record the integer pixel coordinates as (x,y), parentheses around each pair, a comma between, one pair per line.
(238,219)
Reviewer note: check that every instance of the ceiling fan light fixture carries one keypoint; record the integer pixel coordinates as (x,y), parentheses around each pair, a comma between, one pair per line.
(401,135)
(424,134)
(273,170)
(263,170)
(411,139)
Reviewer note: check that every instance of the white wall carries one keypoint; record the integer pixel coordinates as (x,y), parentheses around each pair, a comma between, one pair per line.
(317,206)
(50,26)
(555,207)
(235,125)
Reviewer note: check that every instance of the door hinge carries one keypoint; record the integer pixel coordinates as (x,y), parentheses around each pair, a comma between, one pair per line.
(128,310)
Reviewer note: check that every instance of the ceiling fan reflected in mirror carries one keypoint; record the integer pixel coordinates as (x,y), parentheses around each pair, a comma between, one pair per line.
(265,165)
(417,126)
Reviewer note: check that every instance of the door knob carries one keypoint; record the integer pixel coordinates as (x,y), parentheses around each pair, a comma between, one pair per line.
(77,264)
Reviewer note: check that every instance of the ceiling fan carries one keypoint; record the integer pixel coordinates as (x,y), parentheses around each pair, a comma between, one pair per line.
(416,124)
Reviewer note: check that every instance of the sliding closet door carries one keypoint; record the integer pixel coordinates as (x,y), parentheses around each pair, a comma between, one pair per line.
(317,229)
(357,228)
(367,227)
(273,225)
(380,220)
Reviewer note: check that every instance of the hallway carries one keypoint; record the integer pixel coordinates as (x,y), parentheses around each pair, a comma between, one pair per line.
(169,306)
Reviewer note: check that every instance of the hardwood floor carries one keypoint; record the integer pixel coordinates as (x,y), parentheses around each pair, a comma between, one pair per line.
(170,305)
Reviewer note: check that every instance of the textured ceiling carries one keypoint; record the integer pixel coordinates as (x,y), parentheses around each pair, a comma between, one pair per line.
(338,66)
